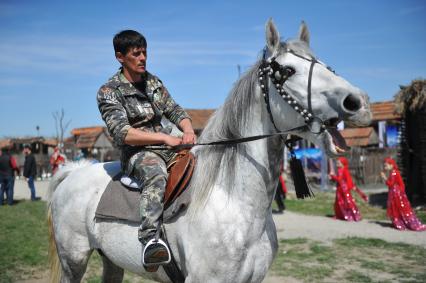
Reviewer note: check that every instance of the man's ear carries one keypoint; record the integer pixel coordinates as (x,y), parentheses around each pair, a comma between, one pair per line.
(120,57)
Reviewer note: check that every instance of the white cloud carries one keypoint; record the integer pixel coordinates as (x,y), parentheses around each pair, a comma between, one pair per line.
(90,56)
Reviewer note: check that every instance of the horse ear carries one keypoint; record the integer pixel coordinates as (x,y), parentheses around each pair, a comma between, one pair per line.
(272,36)
(304,33)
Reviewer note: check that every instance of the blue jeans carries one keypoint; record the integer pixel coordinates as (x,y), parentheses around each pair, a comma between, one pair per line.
(32,187)
(6,186)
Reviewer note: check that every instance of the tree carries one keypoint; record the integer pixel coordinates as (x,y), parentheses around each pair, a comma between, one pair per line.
(60,126)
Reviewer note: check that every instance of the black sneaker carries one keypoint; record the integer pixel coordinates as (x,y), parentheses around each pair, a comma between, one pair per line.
(156,252)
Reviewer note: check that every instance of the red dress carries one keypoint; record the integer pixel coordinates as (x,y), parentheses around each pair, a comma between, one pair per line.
(55,161)
(398,207)
(344,205)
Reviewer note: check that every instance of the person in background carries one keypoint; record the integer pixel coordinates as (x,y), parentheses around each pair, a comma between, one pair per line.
(56,160)
(7,179)
(280,193)
(344,205)
(30,170)
(398,207)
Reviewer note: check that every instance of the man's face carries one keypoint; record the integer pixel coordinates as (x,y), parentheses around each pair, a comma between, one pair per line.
(134,61)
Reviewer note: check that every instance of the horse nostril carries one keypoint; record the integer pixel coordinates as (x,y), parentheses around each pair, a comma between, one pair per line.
(352,103)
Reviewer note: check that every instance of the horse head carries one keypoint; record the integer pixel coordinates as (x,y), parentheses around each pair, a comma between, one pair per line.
(304,93)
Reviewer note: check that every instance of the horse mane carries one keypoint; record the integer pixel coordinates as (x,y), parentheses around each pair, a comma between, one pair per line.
(228,122)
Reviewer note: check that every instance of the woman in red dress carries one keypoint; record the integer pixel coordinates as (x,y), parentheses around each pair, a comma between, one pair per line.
(398,207)
(344,205)
(56,160)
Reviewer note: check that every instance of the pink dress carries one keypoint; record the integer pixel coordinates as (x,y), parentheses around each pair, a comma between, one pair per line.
(344,205)
(398,207)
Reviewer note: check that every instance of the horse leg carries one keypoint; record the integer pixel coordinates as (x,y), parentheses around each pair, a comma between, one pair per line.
(74,266)
(111,273)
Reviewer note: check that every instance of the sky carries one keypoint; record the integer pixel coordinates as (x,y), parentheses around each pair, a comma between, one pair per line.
(56,54)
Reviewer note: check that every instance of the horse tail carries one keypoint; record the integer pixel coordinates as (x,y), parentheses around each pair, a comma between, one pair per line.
(61,174)
(55,265)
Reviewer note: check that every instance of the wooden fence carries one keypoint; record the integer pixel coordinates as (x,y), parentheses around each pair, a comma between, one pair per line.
(367,163)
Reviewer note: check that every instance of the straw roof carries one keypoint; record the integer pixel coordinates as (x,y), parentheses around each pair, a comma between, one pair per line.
(411,97)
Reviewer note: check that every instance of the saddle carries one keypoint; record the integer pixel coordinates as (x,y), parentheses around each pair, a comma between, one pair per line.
(180,172)
(121,198)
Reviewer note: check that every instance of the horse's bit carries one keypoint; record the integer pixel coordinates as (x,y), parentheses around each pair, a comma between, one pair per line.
(279,75)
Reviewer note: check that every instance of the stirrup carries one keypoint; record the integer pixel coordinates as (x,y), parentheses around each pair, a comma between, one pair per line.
(163,254)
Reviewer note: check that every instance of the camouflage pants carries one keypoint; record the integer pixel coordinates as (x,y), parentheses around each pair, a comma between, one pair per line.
(151,172)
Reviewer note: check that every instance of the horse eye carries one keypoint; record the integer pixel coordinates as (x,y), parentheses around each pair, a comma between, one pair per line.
(289,71)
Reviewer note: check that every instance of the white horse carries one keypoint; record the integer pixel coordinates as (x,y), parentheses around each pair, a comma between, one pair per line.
(227,233)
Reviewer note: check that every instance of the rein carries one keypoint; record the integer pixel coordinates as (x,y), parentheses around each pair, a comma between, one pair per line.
(223,142)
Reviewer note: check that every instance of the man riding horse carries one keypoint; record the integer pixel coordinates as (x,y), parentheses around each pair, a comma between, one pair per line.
(132,104)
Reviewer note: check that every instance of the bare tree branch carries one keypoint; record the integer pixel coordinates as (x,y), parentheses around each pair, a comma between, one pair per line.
(60,126)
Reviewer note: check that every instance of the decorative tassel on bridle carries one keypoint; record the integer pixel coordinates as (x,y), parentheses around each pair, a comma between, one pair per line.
(298,174)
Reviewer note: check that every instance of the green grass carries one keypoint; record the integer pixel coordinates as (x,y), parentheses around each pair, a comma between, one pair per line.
(350,260)
(23,240)
(24,244)
(421,215)
(323,205)
(23,251)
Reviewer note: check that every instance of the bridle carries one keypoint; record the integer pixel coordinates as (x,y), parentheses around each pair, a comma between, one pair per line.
(278,74)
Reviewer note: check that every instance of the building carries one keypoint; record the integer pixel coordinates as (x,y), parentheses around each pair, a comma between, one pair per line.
(199,118)
(92,143)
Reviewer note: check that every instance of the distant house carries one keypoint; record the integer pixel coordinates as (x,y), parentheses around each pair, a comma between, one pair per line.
(386,122)
(92,142)
(360,137)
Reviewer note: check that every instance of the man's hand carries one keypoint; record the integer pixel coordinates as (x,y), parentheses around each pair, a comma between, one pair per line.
(172,141)
(188,132)
(189,138)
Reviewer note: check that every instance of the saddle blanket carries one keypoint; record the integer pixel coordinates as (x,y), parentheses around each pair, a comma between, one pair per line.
(121,203)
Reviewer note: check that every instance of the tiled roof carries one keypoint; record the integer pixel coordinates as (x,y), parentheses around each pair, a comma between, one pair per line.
(359,136)
(50,142)
(199,117)
(8,143)
(87,137)
(87,130)
(87,140)
(5,143)
(383,111)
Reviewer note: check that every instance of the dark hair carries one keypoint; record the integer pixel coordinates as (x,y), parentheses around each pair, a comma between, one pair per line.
(126,39)
(27,146)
